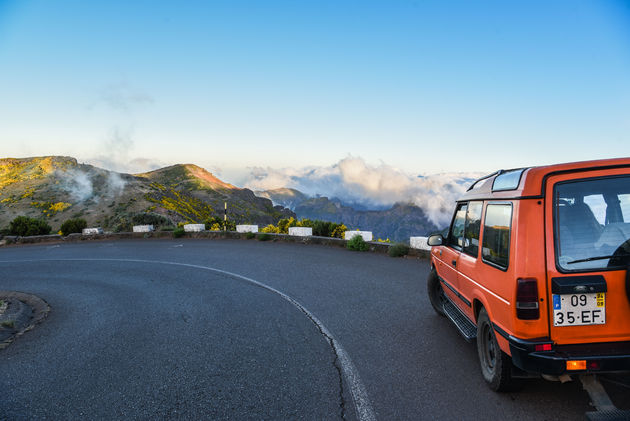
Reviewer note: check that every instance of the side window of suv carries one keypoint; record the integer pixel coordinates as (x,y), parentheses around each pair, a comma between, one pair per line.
(473,227)
(456,233)
(496,235)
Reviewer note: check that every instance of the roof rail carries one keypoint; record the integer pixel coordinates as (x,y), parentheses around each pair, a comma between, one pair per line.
(472,186)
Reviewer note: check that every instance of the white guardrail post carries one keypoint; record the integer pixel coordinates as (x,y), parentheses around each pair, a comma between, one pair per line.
(419,243)
(301,231)
(367,235)
(247,228)
(143,228)
(194,227)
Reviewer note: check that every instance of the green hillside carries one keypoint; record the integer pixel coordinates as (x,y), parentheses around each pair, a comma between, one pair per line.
(58,188)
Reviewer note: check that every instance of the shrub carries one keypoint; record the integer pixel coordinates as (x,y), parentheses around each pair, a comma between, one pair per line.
(73,225)
(25,226)
(264,237)
(321,228)
(150,218)
(338,230)
(216,223)
(178,232)
(167,228)
(398,250)
(270,229)
(305,223)
(250,235)
(285,224)
(357,243)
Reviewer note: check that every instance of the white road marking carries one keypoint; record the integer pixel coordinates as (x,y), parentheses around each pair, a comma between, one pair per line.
(178,245)
(359,394)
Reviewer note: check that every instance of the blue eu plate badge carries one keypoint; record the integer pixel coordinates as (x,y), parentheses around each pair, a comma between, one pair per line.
(556,302)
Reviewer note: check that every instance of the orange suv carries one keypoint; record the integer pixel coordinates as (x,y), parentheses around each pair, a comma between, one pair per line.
(535,266)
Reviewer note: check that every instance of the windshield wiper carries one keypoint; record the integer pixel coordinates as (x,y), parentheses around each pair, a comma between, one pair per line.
(590,259)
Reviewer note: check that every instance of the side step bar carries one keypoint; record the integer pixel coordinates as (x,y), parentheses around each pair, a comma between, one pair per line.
(463,324)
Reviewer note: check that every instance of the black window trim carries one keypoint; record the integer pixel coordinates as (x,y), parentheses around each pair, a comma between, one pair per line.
(489,263)
(450,228)
(556,233)
(466,226)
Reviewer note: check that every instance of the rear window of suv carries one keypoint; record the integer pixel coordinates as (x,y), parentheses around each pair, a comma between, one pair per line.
(496,235)
(592,224)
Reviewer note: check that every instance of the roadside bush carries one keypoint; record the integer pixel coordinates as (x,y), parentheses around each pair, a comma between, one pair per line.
(250,235)
(167,228)
(398,250)
(321,228)
(326,228)
(217,223)
(25,226)
(305,223)
(286,223)
(357,243)
(178,232)
(264,237)
(270,229)
(338,230)
(150,218)
(74,225)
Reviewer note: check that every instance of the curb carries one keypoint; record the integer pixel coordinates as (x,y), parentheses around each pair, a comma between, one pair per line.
(39,307)
(375,247)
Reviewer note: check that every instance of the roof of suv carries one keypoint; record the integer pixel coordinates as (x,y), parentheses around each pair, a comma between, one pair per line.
(528,182)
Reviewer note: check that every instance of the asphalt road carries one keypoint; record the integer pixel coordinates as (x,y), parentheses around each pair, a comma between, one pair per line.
(143,340)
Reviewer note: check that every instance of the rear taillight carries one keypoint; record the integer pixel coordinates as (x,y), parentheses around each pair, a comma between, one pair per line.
(543,347)
(527,299)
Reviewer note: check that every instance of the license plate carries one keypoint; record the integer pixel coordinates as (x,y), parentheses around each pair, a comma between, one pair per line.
(579,309)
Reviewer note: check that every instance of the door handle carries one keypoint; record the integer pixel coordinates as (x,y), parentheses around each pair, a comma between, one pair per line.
(454,262)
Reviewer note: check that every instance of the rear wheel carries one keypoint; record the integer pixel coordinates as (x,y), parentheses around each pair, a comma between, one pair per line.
(496,365)
(436,294)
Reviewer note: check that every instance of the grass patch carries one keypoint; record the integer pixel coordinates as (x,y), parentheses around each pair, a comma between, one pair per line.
(357,243)
(398,250)
(264,237)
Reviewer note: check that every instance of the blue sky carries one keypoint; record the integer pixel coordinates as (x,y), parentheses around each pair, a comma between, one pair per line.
(422,86)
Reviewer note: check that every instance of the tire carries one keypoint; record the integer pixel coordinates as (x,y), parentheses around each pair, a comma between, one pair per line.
(496,365)
(434,290)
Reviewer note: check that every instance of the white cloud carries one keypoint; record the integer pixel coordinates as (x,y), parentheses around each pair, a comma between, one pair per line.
(354,181)
(77,183)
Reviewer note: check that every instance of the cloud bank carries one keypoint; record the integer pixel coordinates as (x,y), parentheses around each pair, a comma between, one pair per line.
(355,182)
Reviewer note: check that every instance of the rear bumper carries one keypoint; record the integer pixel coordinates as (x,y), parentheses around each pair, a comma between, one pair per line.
(605,357)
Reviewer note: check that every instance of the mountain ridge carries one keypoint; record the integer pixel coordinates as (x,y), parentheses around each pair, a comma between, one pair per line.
(398,222)
(57,188)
